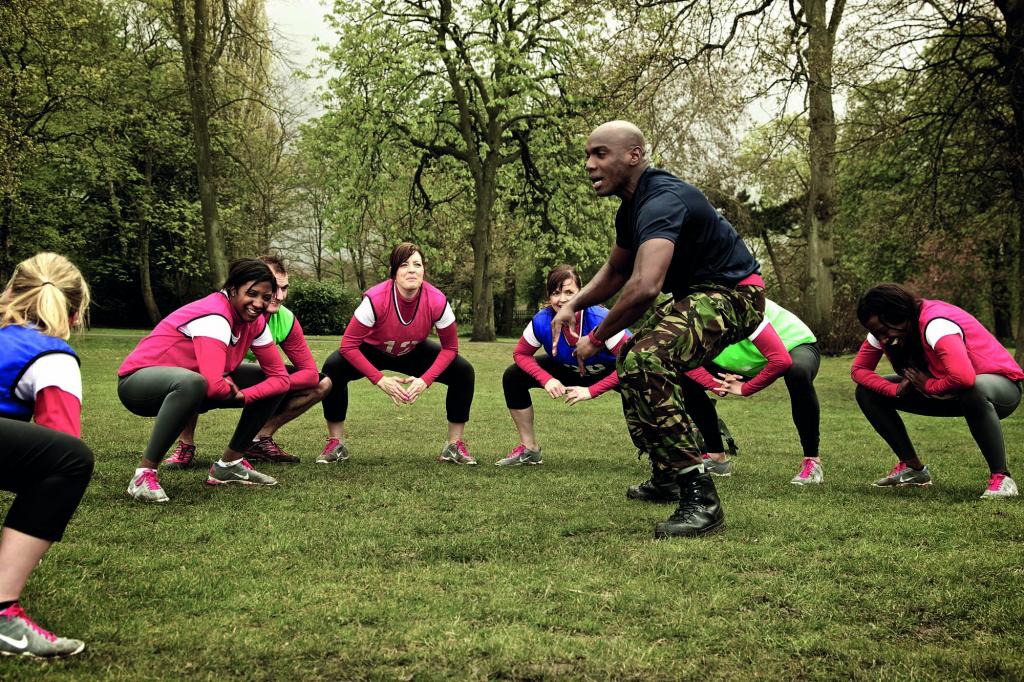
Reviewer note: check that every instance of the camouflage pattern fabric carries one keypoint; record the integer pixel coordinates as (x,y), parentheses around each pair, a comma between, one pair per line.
(679,336)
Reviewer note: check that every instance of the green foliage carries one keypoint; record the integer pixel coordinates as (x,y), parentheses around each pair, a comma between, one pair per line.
(322,307)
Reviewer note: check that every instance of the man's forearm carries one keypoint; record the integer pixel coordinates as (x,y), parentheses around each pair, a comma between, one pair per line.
(599,289)
(630,307)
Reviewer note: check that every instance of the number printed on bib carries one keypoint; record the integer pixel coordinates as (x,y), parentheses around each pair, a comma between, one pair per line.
(403,347)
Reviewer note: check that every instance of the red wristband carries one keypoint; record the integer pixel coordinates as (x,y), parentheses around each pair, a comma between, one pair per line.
(593,338)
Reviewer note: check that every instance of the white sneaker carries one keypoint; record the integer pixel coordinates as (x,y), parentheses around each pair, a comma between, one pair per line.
(1000,485)
(146,488)
(811,473)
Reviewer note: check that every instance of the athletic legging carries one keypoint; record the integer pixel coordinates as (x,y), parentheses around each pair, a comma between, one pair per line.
(517,383)
(459,377)
(803,401)
(174,394)
(993,397)
(48,471)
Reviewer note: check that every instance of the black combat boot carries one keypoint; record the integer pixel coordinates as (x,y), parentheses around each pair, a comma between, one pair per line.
(699,510)
(660,488)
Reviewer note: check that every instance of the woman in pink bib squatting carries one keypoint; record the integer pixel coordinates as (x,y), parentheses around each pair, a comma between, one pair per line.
(192,362)
(388,331)
(947,365)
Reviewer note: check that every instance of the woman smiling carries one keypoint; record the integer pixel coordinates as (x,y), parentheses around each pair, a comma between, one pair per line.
(192,362)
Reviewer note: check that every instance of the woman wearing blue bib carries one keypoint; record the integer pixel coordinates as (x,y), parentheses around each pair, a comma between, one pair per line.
(557,373)
(44,463)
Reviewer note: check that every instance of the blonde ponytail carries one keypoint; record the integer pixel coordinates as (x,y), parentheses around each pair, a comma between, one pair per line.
(45,291)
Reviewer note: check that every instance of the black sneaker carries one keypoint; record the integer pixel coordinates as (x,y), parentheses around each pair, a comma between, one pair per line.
(699,512)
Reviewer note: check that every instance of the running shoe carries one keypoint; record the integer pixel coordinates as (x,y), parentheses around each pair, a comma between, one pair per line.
(146,488)
(334,451)
(456,453)
(182,456)
(1000,485)
(20,636)
(902,475)
(239,473)
(715,468)
(521,455)
(811,473)
(264,449)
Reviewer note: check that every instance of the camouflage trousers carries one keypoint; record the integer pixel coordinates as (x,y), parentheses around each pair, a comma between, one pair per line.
(678,336)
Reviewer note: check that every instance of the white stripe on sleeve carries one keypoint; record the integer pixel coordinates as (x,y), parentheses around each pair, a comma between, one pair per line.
(530,337)
(760,328)
(264,339)
(610,343)
(364,313)
(447,317)
(53,369)
(940,327)
(210,326)
(874,342)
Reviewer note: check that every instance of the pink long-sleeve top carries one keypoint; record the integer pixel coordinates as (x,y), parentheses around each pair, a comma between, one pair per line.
(393,325)
(957,348)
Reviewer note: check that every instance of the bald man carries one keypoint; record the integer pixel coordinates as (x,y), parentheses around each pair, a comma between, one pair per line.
(668,238)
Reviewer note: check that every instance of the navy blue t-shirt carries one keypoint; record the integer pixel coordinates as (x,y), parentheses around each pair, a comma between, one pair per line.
(707,247)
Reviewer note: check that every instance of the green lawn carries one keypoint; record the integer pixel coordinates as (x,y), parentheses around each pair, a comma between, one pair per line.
(393,566)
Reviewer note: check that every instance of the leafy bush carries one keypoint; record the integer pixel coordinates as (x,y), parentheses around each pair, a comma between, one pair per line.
(322,307)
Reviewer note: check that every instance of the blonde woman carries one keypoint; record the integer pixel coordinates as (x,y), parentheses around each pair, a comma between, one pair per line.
(44,464)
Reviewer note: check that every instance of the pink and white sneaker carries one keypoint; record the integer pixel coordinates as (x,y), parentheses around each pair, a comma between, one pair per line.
(1000,485)
(146,488)
(811,473)
(182,456)
(456,453)
(21,636)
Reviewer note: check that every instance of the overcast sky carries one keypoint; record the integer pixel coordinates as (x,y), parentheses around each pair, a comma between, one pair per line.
(297,23)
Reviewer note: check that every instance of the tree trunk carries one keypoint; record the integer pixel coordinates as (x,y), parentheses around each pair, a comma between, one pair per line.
(145,278)
(1012,62)
(783,296)
(999,294)
(820,210)
(6,224)
(483,296)
(508,300)
(197,82)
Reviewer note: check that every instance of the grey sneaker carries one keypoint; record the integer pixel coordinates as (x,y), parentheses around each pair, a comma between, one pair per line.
(521,455)
(810,473)
(146,488)
(902,475)
(239,473)
(456,453)
(334,451)
(723,469)
(19,636)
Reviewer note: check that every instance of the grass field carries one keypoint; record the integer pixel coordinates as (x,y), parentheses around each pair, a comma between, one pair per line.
(393,566)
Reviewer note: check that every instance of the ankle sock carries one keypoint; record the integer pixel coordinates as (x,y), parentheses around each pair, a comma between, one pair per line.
(4,605)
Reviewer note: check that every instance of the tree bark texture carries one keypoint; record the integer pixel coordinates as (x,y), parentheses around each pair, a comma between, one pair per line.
(198,64)
(821,201)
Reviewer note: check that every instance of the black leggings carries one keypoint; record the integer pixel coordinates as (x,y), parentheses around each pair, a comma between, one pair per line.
(174,394)
(48,471)
(517,383)
(803,401)
(459,377)
(993,397)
